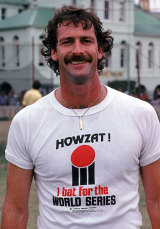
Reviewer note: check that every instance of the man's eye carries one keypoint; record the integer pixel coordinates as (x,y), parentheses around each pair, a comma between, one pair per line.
(88,41)
(66,42)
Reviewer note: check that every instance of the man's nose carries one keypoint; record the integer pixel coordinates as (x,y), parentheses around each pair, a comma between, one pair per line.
(77,48)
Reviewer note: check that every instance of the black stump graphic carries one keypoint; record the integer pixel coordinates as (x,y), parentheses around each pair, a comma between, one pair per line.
(83,166)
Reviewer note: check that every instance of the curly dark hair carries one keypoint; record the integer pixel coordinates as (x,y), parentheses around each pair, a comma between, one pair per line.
(75,15)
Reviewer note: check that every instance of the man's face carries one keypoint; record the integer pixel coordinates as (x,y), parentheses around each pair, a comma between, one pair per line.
(77,53)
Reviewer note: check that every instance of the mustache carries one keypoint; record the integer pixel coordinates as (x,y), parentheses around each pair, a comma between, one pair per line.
(69,59)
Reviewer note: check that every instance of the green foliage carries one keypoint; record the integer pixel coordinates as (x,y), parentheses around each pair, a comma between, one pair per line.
(2,151)
(122,85)
(4,119)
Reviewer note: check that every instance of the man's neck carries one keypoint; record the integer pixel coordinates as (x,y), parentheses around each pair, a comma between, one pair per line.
(81,96)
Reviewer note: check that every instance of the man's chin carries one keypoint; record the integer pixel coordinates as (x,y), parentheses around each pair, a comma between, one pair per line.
(79,80)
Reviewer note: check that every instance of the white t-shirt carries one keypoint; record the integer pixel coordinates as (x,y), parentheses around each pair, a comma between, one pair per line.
(86,178)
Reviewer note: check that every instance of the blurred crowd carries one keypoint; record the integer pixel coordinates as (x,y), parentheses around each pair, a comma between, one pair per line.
(154,100)
(10,97)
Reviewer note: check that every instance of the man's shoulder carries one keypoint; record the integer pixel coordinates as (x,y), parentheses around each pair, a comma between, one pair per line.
(39,108)
(124,98)
(137,107)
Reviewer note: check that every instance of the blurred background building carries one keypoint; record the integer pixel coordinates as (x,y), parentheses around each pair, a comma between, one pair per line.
(136,32)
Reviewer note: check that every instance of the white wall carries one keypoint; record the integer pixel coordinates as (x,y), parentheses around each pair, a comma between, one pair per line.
(10,10)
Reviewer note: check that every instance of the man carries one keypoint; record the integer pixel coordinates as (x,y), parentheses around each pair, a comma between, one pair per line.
(89,143)
(156,100)
(32,95)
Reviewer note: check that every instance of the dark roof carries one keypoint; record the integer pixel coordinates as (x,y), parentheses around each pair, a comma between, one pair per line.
(146,23)
(35,17)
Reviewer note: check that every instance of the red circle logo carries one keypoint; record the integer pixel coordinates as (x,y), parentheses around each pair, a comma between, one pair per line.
(83,156)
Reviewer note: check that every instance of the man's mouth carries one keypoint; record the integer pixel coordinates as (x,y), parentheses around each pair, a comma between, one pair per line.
(77,59)
(78,62)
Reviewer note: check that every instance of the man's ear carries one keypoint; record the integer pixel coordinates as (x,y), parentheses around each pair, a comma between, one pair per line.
(54,55)
(100,53)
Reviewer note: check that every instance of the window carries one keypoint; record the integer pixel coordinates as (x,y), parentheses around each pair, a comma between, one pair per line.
(3,13)
(93,4)
(41,60)
(16,50)
(2,52)
(20,11)
(123,54)
(107,9)
(150,55)
(138,55)
(35,2)
(74,2)
(122,10)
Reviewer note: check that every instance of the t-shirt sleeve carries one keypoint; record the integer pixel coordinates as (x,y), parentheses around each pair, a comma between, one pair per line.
(16,150)
(150,128)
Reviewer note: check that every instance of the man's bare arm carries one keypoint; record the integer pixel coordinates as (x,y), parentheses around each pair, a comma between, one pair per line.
(15,210)
(151,181)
